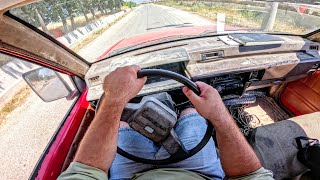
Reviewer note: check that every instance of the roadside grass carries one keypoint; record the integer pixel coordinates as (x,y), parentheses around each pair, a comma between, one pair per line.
(78,46)
(124,7)
(4,59)
(235,16)
(18,99)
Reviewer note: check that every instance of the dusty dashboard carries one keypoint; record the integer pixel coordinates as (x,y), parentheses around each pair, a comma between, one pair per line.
(231,69)
(178,67)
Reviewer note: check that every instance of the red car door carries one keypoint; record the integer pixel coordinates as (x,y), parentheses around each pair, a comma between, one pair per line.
(51,161)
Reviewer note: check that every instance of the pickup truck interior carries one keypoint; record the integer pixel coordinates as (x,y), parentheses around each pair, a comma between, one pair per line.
(260,85)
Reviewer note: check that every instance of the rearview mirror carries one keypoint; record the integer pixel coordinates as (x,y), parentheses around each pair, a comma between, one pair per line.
(47,84)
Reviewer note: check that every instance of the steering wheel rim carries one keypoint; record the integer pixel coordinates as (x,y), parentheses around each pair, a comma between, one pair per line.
(182,154)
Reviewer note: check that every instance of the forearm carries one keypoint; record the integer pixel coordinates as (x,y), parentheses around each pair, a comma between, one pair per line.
(237,157)
(99,145)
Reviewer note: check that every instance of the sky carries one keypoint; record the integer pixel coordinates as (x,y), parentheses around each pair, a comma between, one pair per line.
(136,1)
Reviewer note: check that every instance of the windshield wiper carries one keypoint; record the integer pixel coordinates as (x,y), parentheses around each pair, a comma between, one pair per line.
(212,32)
(173,25)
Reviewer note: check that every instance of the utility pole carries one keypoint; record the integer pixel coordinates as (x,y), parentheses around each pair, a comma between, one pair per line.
(269,19)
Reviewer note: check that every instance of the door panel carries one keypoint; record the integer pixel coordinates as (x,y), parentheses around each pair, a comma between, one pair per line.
(50,165)
(303,96)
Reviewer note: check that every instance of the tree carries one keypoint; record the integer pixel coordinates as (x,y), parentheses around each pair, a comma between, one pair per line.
(63,18)
(71,7)
(130,4)
(52,11)
(41,21)
(111,5)
(99,4)
(89,6)
(104,5)
(83,10)
(34,14)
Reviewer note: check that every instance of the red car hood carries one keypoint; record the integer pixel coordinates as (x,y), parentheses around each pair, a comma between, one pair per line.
(152,36)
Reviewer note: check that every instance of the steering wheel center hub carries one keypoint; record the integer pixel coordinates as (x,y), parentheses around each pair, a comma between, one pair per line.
(155,121)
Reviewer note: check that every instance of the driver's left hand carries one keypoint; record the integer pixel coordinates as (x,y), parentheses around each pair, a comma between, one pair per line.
(123,84)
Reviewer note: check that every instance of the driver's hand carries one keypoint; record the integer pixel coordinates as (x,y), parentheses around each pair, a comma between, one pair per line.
(123,84)
(209,104)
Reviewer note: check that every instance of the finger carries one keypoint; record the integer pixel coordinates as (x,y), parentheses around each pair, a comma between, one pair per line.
(202,86)
(191,95)
(142,80)
(136,68)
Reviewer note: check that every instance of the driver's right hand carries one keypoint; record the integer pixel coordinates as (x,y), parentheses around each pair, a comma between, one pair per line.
(209,104)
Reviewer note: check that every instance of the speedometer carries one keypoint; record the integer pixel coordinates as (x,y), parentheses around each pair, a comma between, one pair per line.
(177,67)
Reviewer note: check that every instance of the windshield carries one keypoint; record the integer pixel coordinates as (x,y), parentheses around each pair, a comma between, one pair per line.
(94,29)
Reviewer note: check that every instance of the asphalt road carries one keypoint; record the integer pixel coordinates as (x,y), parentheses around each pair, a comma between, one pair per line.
(53,88)
(144,18)
(26,132)
(28,129)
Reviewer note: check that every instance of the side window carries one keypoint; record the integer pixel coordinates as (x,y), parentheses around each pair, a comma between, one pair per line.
(27,122)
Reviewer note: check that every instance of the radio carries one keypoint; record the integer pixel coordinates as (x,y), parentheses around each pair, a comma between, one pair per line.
(229,84)
(234,84)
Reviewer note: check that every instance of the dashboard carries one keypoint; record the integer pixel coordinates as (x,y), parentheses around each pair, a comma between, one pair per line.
(226,84)
(229,68)
(174,67)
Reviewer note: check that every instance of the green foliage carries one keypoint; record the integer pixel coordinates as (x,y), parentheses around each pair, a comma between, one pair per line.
(51,11)
(130,4)
(253,15)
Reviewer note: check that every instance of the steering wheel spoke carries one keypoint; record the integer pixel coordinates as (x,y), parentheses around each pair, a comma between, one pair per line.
(172,143)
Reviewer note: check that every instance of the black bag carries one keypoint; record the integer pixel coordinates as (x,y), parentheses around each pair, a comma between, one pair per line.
(309,153)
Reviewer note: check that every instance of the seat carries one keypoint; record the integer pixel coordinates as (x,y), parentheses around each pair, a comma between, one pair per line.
(302,96)
(310,123)
(276,147)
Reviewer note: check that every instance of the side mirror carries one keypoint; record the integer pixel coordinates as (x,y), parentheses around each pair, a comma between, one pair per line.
(48,84)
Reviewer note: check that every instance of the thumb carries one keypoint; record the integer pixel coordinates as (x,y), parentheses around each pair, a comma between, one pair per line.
(191,95)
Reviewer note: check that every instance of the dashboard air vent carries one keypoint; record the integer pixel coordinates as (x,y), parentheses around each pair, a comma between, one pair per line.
(314,47)
(212,55)
(94,81)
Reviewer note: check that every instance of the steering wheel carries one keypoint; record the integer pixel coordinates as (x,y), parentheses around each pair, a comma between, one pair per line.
(180,152)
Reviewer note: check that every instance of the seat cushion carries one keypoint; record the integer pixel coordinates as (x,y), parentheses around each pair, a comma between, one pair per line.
(310,123)
(276,148)
(302,96)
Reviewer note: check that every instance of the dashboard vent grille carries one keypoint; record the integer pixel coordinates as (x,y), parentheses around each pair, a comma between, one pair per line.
(94,80)
(314,47)
(212,55)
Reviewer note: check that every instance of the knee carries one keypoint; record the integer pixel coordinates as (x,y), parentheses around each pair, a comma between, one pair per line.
(124,125)
(187,111)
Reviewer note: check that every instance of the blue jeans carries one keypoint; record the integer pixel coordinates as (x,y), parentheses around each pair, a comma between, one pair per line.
(190,130)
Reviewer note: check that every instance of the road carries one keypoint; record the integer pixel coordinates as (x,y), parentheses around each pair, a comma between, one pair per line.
(143,19)
(27,130)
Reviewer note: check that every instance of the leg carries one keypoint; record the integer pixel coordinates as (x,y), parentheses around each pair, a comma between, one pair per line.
(190,129)
(136,144)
